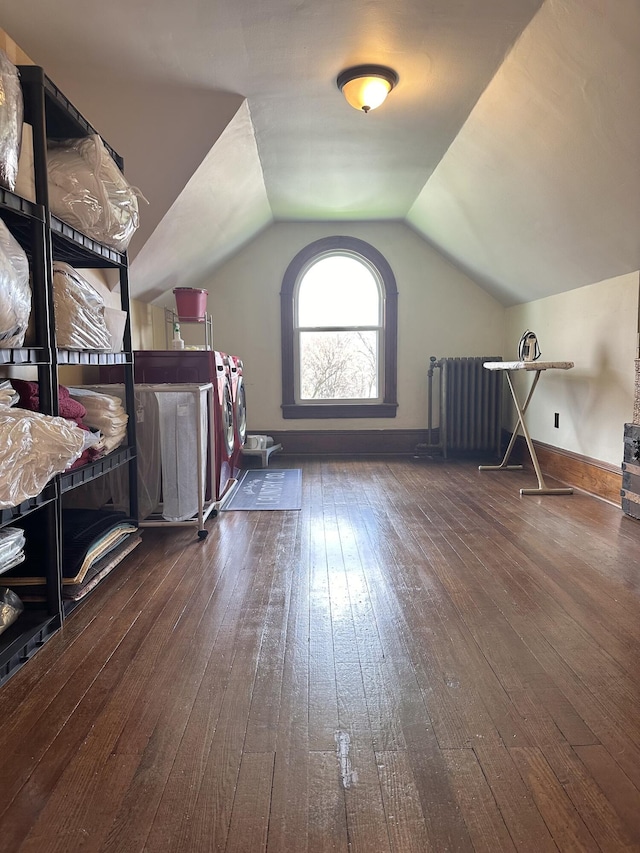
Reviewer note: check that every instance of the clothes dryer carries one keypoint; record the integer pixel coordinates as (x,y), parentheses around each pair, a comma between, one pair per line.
(239,409)
(223,424)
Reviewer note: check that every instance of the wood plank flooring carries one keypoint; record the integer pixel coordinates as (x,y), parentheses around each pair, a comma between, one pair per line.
(418,660)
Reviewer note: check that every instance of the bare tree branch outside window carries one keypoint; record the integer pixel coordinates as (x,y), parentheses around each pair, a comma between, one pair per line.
(338,365)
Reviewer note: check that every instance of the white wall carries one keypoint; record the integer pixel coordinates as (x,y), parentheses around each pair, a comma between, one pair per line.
(441,312)
(596,328)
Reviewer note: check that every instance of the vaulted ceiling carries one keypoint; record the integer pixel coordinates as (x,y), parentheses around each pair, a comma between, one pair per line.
(511,143)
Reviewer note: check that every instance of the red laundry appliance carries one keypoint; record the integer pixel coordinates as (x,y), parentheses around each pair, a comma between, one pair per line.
(224,426)
(194,366)
(239,409)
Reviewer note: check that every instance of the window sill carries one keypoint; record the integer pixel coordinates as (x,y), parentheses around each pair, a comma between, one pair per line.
(292,411)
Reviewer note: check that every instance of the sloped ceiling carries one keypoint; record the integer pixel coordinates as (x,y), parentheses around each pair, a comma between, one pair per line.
(523,170)
(164,130)
(210,218)
(540,191)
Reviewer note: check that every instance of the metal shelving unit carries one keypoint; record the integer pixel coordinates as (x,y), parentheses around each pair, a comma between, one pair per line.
(15,513)
(46,238)
(23,639)
(27,223)
(203,324)
(102,466)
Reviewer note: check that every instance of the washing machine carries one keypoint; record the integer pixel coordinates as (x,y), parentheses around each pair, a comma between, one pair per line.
(223,424)
(239,409)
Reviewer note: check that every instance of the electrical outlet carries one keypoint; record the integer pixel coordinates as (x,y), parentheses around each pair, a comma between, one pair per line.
(556,420)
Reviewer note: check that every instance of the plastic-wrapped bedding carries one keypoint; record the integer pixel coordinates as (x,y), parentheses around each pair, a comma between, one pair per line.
(115,485)
(12,542)
(89,192)
(10,608)
(15,290)
(33,448)
(8,394)
(11,114)
(79,310)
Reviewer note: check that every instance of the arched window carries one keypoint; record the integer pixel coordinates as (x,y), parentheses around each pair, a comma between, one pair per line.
(339,332)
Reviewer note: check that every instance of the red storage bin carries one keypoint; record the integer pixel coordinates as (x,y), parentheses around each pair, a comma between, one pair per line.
(191,303)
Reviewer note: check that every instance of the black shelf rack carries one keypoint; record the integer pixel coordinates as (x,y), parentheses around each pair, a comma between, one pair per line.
(46,238)
(63,119)
(23,639)
(54,117)
(12,514)
(75,248)
(96,359)
(81,476)
(26,222)
(20,207)
(25,355)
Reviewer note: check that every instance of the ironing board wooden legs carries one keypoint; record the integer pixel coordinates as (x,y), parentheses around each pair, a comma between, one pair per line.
(542,489)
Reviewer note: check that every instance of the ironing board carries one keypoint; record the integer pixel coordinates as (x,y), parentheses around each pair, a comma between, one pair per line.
(536,367)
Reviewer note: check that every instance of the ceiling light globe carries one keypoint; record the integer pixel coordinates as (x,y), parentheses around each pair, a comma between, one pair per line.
(366,93)
(367,86)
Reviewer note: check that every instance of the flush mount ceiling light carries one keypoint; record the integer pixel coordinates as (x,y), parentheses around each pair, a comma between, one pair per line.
(365,87)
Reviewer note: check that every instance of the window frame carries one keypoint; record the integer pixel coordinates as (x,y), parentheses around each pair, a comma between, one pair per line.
(378,328)
(291,408)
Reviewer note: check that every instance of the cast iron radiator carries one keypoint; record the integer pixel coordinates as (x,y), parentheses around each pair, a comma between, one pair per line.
(470,407)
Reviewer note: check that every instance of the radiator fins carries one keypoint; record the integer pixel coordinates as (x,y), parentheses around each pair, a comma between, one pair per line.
(470,403)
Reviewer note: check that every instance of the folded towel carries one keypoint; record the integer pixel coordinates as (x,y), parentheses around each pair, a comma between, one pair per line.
(29,393)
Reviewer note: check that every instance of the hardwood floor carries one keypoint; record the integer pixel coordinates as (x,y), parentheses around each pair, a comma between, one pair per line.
(418,660)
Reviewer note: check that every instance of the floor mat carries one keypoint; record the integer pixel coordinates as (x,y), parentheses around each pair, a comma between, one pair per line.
(267,489)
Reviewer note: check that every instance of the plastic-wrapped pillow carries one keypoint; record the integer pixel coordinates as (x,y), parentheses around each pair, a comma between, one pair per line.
(12,542)
(15,290)
(10,608)
(89,192)
(33,447)
(79,310)
(11,114)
